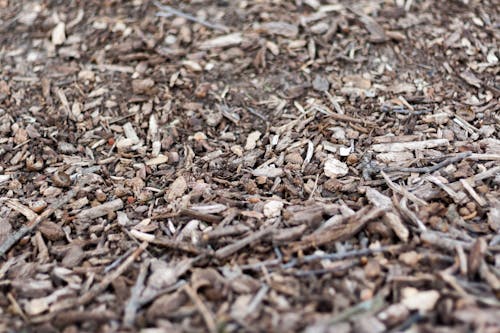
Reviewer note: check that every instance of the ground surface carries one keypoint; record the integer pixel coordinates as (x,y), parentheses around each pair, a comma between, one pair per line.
(317,166)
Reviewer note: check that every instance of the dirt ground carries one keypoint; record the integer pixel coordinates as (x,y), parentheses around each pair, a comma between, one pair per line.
(249,166)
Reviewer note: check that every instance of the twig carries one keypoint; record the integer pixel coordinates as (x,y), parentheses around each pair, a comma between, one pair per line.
(343,117)
(77,316)
(180,246)
(266,263)
(149,298)
(210,218)
(232,248)
(169,11)
(340,256)
(473,193)
(205,313)
(402,110)
(16,236)
(401,190)
(430,169)
(410,215)
(95,291)
(448,244)
(117,261)
(258,114)
(458,197)
(256,300)
(134,301)
(339,268)
(315,187)
(224,231)
(412,145)
(16,307)
(335,104)
(351,227)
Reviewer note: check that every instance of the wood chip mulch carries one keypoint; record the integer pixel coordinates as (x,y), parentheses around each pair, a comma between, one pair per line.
(249,166)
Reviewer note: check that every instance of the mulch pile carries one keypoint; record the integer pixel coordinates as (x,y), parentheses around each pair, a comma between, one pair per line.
(249,166)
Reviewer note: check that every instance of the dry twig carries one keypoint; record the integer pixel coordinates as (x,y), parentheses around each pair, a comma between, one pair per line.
(16,236)
(169,11)
(208,317)
(95,291)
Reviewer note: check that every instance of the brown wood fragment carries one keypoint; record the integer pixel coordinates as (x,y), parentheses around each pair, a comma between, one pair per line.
(239,244)
(349,228)
(210,218)
(101,210)
(16,236)
(94,291)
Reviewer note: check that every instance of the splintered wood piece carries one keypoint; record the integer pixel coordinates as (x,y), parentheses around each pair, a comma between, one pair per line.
(210,218)
(133,303)
(239,244)
(473,193)
(412,145)
(95,290)
(351,227)
(12,239)
(207,316)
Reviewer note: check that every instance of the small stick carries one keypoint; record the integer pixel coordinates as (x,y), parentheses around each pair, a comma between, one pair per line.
(335,104)
(232,248)
(341,255)
(410,215)
(256,300)
(117,261)
(225,231)
(95,291)
(484,157)
(210,218)
(134,301)
(180,246)
(448,244)
(16,236)
(340,268)
(169,11)
(401,190)
(371,306)
(430,169)
(16,307)
(150,297)
(205,313)
(456,196)
(351,227)
(258,114)
(315,187)
(258,265)
(473,193)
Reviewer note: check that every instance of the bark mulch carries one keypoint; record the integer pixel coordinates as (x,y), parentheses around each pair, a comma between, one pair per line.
(249,166)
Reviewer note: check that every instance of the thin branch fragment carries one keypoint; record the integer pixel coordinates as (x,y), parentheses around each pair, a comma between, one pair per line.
(210,218)
(133,303)
(95,291)
(16,236)
(169,11)
(177,245)
(232,248)
(208,317)
(431,169)
(340,256)
(354,224)
(401,190)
